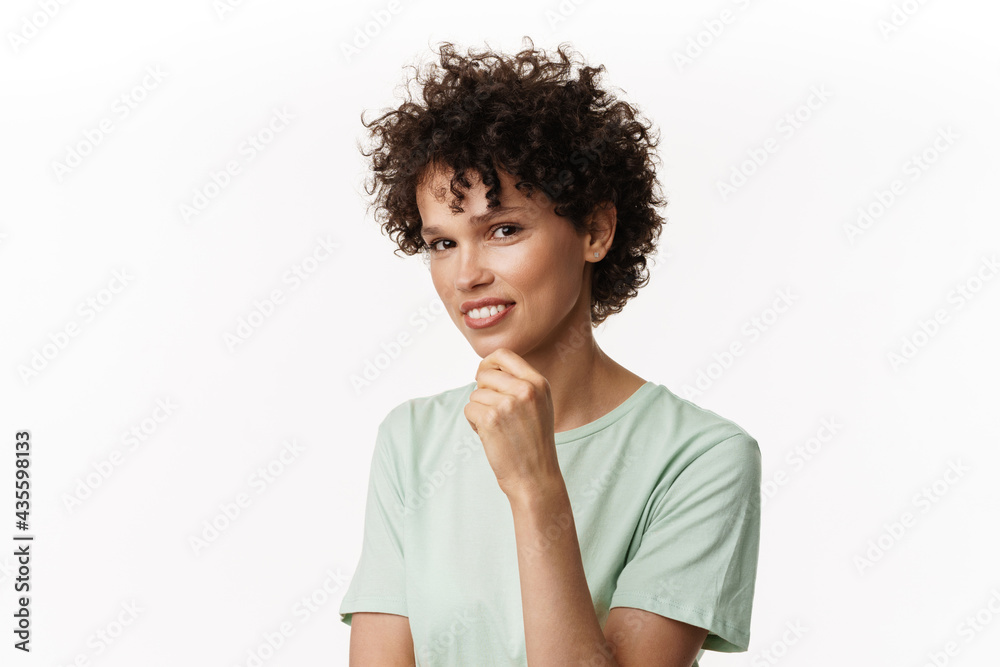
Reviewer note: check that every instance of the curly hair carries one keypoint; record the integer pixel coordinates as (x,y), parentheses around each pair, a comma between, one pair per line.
(530,116)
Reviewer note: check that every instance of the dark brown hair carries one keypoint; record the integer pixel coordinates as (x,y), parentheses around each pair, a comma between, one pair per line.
(530,116)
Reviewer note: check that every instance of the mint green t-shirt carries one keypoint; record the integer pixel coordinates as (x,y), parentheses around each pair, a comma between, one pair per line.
(665,498)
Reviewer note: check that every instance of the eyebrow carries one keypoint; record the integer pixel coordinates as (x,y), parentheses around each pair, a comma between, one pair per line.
(475,220)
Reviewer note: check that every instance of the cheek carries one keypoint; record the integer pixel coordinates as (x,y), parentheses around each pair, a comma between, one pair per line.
(547,278)
(446,292)
(439,285)
(547,260)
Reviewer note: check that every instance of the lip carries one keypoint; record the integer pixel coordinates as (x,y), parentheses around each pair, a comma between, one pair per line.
(484,322)
(479,303)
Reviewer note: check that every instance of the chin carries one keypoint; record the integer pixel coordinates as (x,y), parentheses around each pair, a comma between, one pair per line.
(484,349)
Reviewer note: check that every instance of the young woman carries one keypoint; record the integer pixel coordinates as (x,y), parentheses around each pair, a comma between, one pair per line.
(559,509)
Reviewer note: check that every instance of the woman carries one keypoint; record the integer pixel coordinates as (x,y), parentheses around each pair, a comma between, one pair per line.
(560,509)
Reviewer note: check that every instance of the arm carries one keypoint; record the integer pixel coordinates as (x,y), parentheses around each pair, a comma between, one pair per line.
(380,640)
(560,623)
(640,637)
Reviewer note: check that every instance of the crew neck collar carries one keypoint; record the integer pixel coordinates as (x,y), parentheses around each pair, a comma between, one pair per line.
(637,397)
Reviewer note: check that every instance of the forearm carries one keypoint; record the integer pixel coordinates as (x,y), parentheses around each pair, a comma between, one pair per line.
(560,623)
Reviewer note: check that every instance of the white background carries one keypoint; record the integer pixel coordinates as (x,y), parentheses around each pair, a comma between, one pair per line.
(184,285)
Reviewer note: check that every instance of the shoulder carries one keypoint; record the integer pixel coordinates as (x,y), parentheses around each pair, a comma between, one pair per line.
(424,413)
(698,431)
(703,462)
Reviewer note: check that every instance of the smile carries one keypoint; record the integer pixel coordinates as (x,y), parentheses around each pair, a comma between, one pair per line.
(493,315)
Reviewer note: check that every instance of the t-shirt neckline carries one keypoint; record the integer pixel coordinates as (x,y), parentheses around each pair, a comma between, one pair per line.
(607,419)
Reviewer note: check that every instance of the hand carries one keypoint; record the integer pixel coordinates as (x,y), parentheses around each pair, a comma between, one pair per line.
(511,411)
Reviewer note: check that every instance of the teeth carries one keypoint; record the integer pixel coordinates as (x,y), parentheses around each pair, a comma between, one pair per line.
(480,313)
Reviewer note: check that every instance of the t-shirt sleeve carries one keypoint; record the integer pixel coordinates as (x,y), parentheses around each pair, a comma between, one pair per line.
(378,583)
(697,558)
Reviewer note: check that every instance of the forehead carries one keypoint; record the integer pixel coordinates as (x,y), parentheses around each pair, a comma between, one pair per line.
(434,195)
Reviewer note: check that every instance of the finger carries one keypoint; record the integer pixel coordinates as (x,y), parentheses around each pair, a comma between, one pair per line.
(472,415)
(485,396)
(498,381)
(510,362)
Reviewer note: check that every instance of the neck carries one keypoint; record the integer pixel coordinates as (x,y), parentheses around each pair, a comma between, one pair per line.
(585,383)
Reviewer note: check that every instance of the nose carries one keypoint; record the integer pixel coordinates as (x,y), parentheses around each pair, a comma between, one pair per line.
(472,269)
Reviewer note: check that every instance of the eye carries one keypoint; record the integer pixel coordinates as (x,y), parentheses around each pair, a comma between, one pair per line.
(507,226)
(432,245)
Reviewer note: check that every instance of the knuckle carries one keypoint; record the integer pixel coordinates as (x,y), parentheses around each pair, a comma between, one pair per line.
(527,392)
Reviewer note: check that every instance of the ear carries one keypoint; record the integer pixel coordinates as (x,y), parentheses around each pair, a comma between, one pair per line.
(601,224)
